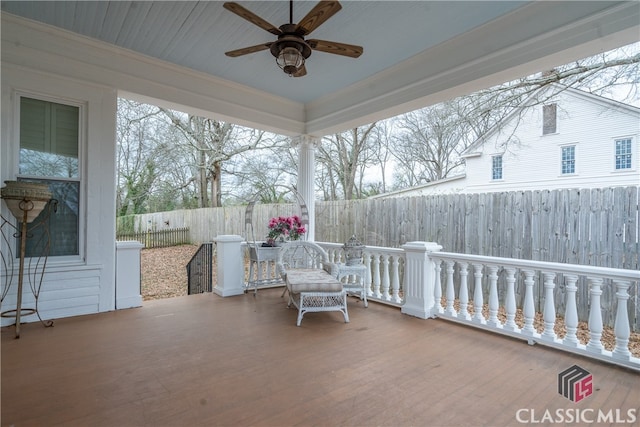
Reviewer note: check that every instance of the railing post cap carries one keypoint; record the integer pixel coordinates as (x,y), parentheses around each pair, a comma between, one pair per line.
(422,246)
(129,244)
(228,238)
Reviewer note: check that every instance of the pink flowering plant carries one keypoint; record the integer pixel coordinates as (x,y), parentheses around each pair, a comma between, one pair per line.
(285,228)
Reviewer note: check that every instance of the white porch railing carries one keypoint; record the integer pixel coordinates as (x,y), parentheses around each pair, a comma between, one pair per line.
(384,273)
(481,292)
(428,283)
(484,273)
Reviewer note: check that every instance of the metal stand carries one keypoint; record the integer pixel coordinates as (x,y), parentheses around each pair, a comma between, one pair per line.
(35,274)
(262,267)
(262,259)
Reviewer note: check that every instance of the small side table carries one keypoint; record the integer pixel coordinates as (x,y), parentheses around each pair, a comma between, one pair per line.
(359,271)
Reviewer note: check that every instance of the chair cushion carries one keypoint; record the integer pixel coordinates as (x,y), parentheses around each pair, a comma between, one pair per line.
(311,280)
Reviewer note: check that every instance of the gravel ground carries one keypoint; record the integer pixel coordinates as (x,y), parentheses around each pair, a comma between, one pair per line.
(164,275)
(164,271)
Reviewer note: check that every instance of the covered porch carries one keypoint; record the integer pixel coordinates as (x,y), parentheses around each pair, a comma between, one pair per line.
(207,360)
(172,54)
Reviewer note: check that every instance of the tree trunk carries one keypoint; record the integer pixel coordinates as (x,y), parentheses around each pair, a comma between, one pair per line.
(216,185)
(202,181)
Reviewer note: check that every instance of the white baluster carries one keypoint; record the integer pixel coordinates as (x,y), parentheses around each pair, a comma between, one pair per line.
(510,302)
(595,316)
(478,299)
(549,314)
(528,309)
(376,276)
(450,295)
(464,292)
(493,297)
(437,289)
(385,277)
(621,326)
(395,279)
(367,277)
(571,313)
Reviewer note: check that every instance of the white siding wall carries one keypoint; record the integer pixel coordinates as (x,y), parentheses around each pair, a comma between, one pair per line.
(451,185)
(533,161)
(85,284)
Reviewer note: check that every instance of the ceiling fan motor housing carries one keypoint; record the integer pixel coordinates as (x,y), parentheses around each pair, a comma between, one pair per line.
(289,38)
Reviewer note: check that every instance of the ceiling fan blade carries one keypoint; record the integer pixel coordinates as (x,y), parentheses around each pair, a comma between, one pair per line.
(251,17)
(248,50)
(317,16)
(301,72)
(343,49)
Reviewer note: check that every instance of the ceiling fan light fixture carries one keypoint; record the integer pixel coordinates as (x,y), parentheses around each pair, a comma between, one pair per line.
(290,60)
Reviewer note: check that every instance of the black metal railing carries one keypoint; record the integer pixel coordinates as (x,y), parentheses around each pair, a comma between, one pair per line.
(200,270)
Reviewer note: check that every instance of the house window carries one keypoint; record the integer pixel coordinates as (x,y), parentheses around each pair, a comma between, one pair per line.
(569,159)
(549,119)
(49,146)
(496,167)
(623,153)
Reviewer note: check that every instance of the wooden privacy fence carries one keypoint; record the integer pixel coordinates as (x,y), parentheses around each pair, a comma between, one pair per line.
(596,227)
(588,227)
(159,238)
(578,226)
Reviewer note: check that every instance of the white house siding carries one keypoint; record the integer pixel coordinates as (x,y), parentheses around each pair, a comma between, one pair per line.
(62,294)
(71,285)
(533,161)
(453,184)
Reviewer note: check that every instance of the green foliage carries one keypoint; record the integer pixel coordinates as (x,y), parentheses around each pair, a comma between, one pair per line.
(125,224)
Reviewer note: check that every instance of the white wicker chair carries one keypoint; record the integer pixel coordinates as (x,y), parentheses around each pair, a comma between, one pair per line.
(311,279)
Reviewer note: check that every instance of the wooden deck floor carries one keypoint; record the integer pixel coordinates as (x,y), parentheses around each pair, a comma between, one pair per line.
(239,361)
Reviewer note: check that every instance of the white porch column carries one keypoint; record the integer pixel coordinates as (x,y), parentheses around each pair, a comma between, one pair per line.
(306,172)
(419,279)
(230,266)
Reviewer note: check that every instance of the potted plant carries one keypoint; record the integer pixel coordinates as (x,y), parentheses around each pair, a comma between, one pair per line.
(283,229)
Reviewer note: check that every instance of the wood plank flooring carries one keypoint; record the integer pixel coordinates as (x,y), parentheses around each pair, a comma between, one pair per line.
(240,361)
